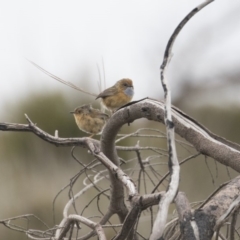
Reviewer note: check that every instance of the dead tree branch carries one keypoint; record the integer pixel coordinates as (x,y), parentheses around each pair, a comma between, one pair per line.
(174,168)
(202,139)
(207,143)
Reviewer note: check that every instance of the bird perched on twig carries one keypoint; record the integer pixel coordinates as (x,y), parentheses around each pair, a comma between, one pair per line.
(90,120)
(118,95)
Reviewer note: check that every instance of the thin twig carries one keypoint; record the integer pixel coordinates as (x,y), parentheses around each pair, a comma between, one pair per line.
(167,174)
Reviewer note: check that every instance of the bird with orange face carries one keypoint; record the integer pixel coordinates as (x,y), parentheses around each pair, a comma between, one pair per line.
(118,95)
(89,120)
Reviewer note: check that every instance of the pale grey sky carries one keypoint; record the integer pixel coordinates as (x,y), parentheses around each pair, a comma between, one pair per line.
(70,37)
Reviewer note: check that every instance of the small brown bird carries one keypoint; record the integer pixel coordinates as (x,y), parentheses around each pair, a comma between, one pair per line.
(118,95)
(89,120)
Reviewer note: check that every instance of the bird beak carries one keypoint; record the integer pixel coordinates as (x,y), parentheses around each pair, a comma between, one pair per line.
(72,112)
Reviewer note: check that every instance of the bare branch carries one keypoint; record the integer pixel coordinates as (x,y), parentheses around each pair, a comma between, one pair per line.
(167,174)
(185,126)
(205,142)
(189,227)
(70,202)
(231,209)
(71,220)
(173,161)
(218,209)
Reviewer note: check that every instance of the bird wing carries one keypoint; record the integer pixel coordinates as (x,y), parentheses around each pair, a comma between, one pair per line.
(98,114)
(108,92)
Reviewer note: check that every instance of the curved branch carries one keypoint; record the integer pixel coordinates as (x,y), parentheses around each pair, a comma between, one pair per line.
(71,219)
(222,150)
(167,53)
(174,167)
(202,139)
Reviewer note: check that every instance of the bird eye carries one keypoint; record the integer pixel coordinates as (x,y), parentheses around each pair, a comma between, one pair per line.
(125,85)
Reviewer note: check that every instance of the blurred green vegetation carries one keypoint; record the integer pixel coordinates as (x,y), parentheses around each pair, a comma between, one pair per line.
(223,121)
(32,171)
